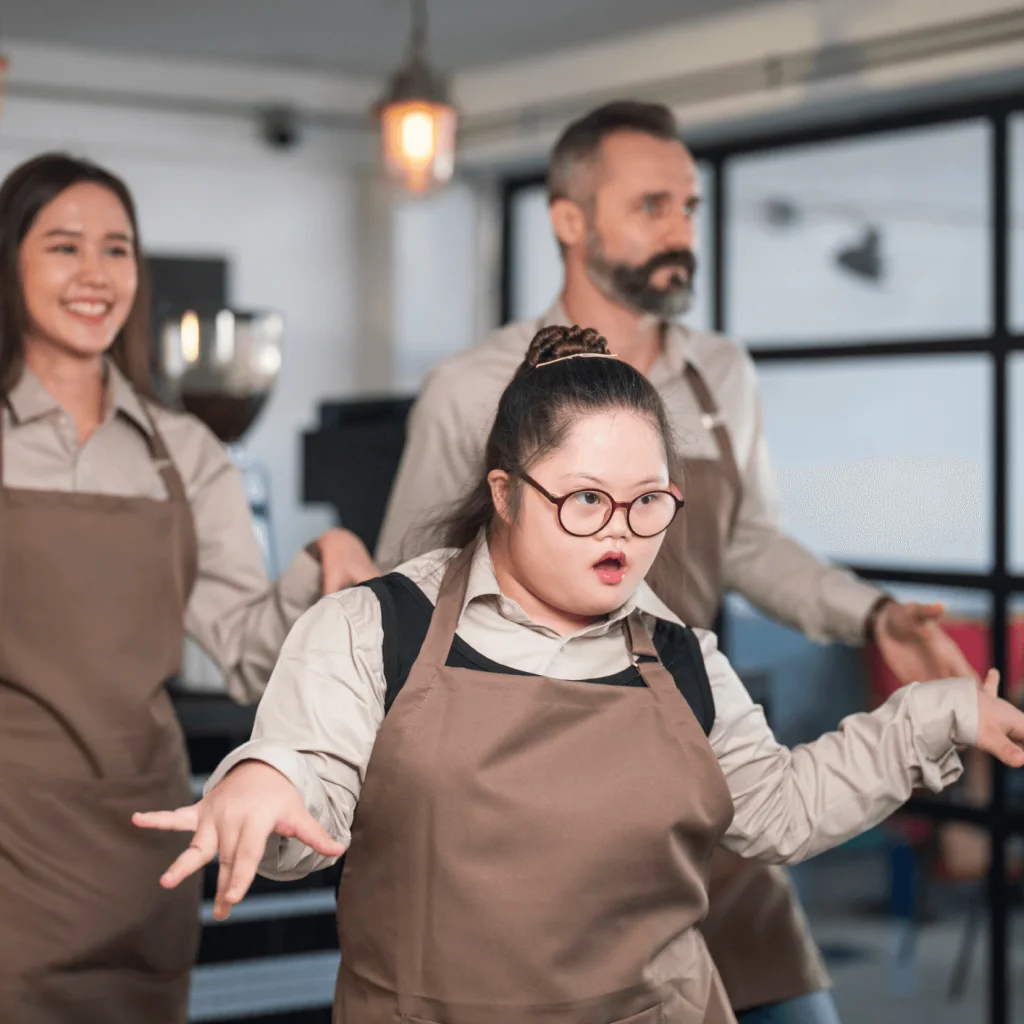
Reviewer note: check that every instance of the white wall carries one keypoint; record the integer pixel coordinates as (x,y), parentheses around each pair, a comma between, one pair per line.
(285,220)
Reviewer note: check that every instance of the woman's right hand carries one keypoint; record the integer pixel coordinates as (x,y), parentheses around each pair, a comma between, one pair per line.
(1000,724)
(235,820)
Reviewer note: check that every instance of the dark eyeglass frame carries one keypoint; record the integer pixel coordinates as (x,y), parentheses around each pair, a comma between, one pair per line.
(614,506)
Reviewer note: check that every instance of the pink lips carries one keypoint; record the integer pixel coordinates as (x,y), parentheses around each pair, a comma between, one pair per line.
(611,567)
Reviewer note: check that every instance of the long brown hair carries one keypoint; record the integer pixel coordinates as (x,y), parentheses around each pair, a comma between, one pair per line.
(25,191)
(537,409)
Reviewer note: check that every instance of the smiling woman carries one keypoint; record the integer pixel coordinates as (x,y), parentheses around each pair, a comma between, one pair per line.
(123,527)
(84,288)
(555,755)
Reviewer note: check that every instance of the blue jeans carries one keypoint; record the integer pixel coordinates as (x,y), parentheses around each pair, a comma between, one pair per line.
(817,1008)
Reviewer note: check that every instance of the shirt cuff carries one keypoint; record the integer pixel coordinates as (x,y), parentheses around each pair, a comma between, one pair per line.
(278,855)
(284,759)
(849,601)
(943,714)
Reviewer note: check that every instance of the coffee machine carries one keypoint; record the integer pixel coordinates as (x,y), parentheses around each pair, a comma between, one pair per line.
(220,365)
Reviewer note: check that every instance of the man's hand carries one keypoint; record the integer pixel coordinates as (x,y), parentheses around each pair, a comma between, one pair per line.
(344,560)
(914,646)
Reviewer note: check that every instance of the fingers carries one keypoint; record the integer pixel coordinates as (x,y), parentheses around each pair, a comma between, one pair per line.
(230,834)
(927,612)
(353,571)
(201,851)
(249,852)
(991,682)
(184,819)
(366,571)
(1008,752)
(304,827)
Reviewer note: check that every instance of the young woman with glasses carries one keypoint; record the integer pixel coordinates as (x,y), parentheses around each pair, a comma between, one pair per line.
(529,759)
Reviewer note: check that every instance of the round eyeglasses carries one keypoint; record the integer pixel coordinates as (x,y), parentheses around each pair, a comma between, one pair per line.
(584,513)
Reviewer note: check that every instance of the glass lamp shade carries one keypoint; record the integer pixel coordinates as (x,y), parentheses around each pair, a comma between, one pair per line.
(418,140)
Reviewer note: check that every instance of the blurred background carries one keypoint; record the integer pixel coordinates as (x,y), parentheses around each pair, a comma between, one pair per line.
(863,235)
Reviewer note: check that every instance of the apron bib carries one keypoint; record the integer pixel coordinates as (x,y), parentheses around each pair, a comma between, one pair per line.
(530,850)
(93,590)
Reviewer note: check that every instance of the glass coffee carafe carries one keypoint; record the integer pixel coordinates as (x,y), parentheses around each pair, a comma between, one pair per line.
(221,366)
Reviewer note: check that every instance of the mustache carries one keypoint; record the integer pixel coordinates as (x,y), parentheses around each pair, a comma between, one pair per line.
(635,280)
(683,258)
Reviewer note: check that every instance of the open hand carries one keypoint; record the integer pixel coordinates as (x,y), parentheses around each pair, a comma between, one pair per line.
(235,819)
(1000,724)
(914,646)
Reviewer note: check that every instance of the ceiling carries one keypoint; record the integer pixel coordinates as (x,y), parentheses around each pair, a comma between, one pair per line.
(359,37)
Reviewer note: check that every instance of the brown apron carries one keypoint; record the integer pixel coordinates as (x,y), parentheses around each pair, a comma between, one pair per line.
(755,928)
(93,591)
(529,850)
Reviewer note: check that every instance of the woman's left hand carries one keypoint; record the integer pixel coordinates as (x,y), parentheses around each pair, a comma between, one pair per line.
(344,560)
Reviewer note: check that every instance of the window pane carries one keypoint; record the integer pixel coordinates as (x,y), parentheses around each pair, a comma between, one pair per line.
(1016,146)
(536,271)
(884,461)
(1015,426)
(865,239)
(434,239)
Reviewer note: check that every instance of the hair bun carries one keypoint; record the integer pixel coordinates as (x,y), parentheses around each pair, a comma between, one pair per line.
(551,343)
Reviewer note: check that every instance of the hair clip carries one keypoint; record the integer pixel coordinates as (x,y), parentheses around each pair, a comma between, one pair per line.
(576,355)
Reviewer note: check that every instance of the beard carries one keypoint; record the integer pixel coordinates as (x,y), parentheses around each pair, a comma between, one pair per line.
(631,286)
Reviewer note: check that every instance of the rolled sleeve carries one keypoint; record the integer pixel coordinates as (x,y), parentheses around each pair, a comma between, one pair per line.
(793,804)
(318,720)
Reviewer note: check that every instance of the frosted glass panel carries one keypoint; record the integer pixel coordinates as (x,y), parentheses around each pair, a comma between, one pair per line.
(1015,519)
(884,461)
(536,271)
(884,237)
(1016,146)
(434,286)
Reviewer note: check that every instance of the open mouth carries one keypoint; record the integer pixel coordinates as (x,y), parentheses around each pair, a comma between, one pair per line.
(611,567)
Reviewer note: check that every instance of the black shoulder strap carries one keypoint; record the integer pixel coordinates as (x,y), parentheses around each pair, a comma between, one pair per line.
(679,650)
(405,619)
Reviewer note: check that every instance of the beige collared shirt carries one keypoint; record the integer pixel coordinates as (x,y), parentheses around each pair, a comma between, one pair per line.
(323,707)
(233,613)
(448,429)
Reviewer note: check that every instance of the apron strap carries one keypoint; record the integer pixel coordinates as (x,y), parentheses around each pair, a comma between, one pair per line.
(447,611)
(676,709)
(5,407)
(648,661)
(712,420)
(164,463)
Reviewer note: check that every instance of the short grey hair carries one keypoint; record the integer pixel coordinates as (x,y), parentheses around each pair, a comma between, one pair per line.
(580,144)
